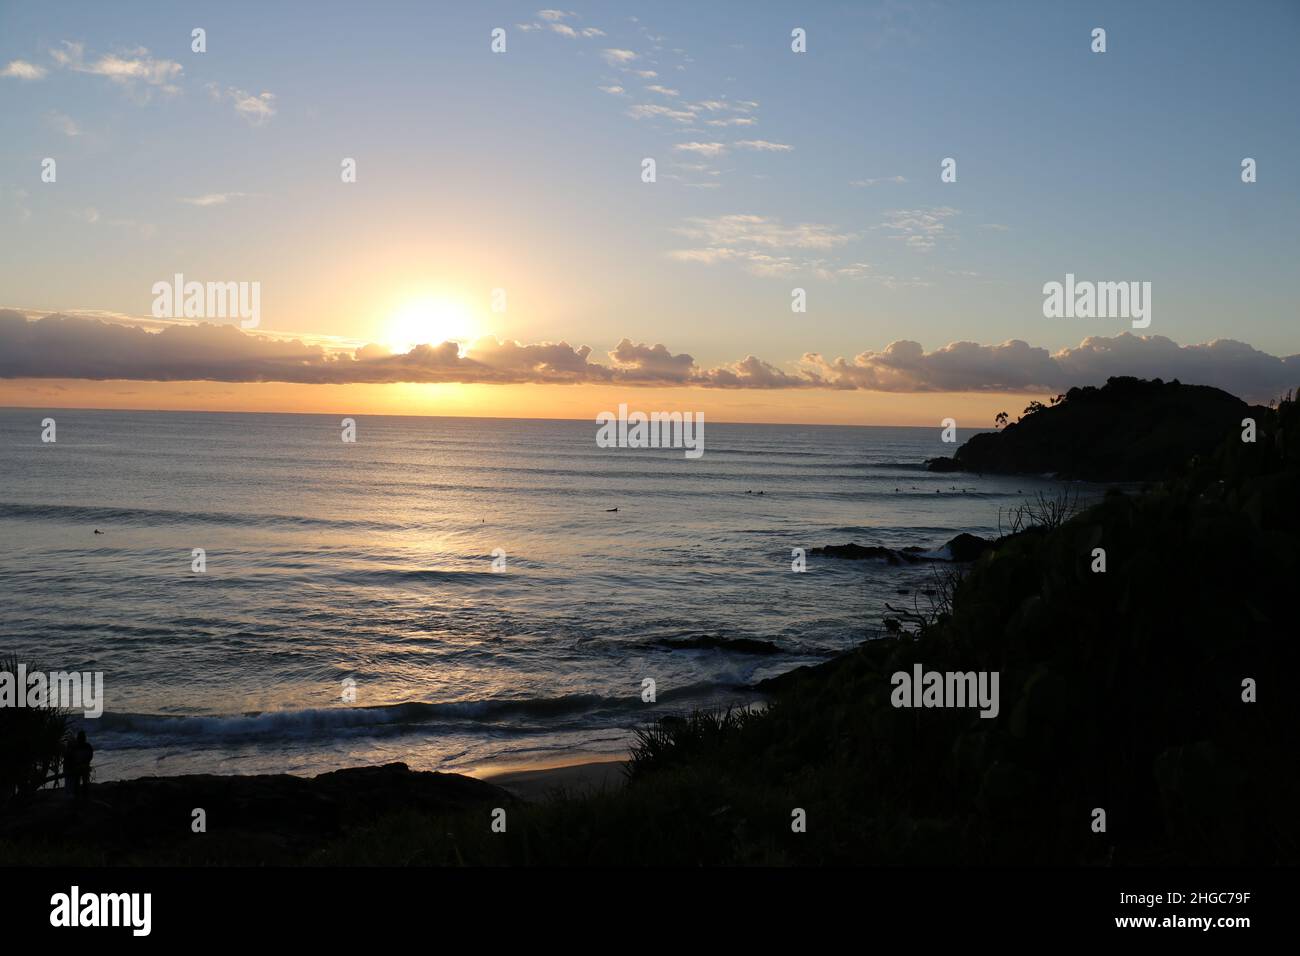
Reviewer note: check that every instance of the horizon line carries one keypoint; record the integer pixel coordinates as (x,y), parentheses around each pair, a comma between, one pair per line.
(496,418)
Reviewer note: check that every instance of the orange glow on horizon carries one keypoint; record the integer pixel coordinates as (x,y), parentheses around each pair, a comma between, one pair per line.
(788,406)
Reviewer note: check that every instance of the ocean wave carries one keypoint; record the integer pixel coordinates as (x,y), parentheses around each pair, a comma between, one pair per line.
(709,642)
(156,516)
(874,465)
(341,721)
(407,575)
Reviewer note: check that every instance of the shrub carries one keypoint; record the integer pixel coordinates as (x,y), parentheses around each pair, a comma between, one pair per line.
(31,743)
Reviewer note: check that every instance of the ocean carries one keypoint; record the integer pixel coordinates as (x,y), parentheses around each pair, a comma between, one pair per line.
(367,568)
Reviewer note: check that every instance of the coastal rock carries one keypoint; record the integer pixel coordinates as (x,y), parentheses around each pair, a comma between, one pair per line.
(963,548)
(738,645)
(968,547)
(942,465)
(857,552)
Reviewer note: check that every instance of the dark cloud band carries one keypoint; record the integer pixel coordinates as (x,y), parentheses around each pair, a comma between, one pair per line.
(75,347)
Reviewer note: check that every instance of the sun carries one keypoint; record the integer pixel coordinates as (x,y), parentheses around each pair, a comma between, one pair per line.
(429,321)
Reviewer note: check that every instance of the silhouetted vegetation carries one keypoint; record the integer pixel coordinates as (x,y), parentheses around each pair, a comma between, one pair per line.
(1047,510)
(31,743)
(673,737)
(929,606)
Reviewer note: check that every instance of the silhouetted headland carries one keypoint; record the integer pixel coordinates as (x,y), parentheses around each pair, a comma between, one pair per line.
(1128,430)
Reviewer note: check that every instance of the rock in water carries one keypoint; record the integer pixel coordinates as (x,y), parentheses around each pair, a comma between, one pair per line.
(968,547)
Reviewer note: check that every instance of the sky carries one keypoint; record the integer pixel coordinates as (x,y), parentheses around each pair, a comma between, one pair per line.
(522,172)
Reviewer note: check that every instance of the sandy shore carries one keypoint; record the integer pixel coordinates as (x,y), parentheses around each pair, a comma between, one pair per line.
(571,780)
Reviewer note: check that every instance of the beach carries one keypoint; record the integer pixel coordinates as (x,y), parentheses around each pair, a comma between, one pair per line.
(603,776)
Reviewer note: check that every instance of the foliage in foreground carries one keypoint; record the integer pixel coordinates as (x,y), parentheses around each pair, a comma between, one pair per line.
(31,742)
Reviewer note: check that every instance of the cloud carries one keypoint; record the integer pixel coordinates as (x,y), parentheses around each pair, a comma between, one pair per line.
(22,70)
(920,229)
(616,57)
(653,362)
(719,106)
(752,372)
(128,68)
(553,22)
(1015,366)
(762,246)
(739,230)
(211,199)
(1226,363)
(724,111)
(853,270)
(760,263)
(704,149)
(904,366)
(60,346)
(257,109)
(654,111)
(77,347)
(63,346)
(763,146)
